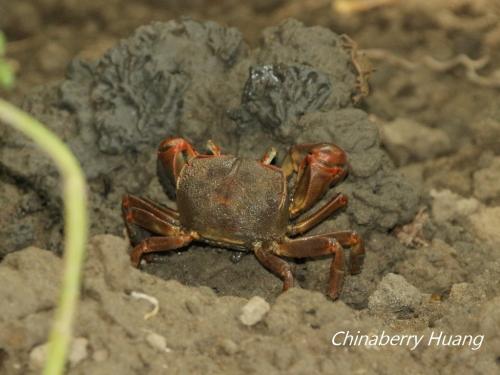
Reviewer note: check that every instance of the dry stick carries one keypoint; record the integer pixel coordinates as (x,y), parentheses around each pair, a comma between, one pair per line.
(294,8)
(348,7)
(471,66)
(449,21)
(76,226)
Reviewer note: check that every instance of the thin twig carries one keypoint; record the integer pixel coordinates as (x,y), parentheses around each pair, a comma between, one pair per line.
(150,299)
(471,66)
(411,234)
(348,7)
(449,21)
(362,65)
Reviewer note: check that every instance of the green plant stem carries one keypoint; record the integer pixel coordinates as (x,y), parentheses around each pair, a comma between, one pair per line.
(76,227)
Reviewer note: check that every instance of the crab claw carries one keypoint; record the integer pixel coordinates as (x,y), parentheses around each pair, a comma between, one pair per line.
(319,166)
(173,154)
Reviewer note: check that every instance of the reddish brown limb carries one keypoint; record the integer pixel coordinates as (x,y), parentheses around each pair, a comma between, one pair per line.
(173,154)
(157,244)
(214,149)
(314,246)
(150,222)
(140,213)
(276,265)
(163,212)
(303,225)
(268,156)
(355,242)
(318,167)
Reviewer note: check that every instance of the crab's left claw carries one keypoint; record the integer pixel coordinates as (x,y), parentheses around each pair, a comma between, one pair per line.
(319,166)
(173,154)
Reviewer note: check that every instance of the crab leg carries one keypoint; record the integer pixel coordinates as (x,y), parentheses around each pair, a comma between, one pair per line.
(140,215)
(303,225)
(163,212)
(150,222)
(268,156)
(276,265)
(173,154)
(214,149)
(156,244)
(314,246)
(353,240)
(318,167)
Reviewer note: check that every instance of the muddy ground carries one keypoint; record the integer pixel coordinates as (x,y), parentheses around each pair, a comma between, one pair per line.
(424,186)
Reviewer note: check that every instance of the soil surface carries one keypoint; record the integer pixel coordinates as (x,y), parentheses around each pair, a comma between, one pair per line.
(422,138)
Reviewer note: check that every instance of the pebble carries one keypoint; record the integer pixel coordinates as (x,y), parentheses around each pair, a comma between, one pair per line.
(157,342)
(407,140)
(486,223)
(254,311)
(78,352)
(37,357)
(396,296)
(447,205)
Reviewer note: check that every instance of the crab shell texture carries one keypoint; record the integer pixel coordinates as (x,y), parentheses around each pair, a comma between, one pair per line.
(233,201)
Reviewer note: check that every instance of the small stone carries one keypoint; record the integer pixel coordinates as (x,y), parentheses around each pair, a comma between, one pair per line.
(228,346)
(486,181)
(78,351)
(396,296)
(407,140)
(486,223)
(37,357)
(254,311)
(157,342)
(447,206)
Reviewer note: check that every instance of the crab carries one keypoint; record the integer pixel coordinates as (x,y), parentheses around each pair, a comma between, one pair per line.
(246,205)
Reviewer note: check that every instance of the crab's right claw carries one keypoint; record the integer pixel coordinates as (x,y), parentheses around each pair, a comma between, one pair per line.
(173,154)
(319,166)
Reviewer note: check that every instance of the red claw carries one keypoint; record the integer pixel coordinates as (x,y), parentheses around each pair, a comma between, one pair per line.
(323,166)
(173,154)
